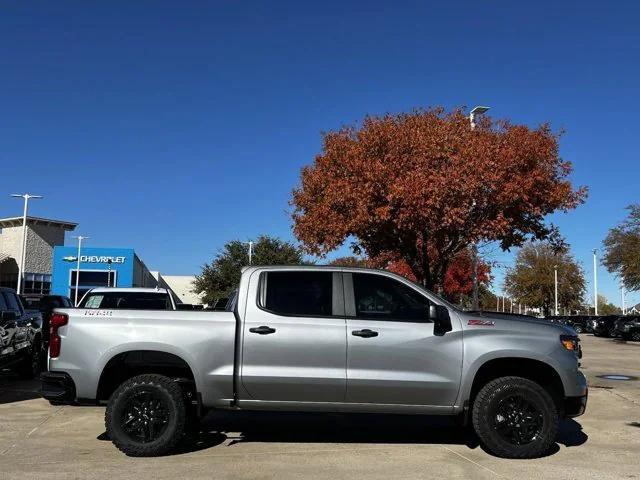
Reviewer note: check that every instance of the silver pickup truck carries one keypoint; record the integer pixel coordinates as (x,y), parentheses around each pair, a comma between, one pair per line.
(322,339)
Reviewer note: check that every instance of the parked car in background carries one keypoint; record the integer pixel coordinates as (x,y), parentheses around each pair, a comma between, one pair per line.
(628,328)
(604,326)
(579,323)
(21,345)
(45,304)
(321,339)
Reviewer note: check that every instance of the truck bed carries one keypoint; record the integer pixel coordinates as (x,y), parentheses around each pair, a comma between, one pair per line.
(204,340)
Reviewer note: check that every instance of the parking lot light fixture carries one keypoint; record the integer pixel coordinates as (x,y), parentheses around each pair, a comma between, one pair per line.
(80,239)
(23,254)
(555,287)
(479,110)
(595,283)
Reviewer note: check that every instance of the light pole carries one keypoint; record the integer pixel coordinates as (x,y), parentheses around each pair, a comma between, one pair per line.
(624,306)
(555,282)
(479,110)
(23,254)
(250,250)
(595,283)
(80,239)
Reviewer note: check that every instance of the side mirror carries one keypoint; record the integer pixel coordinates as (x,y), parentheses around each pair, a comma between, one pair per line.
(8,316)
(439,314)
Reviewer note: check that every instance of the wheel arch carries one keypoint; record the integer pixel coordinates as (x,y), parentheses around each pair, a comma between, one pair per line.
(148,359)
(535,369)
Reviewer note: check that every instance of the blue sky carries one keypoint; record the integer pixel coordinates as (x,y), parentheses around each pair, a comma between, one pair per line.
(172,127)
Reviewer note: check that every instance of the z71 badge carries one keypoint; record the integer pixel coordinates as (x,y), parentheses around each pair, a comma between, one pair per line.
(481,323)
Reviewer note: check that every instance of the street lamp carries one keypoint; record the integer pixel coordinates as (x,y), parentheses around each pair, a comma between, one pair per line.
(555,281)
(595,283)
(250,250)
(23,255)
(479,110)
(80,239)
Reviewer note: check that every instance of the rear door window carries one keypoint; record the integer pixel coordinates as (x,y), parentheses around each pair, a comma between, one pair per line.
(307,294)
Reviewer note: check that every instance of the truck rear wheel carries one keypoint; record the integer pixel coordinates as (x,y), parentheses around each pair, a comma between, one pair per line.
(515,418)
(146,416)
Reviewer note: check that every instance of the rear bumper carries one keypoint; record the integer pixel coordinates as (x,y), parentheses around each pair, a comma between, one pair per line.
(575,406)
(58,387)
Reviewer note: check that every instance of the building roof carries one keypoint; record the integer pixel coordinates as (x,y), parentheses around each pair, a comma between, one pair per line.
(17,222)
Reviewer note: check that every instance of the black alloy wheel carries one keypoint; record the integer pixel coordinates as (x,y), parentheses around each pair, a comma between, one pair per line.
(145,416)
(517,420)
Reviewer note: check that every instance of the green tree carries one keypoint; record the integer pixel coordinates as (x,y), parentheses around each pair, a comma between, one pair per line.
(622,250)
(531,280)
(607,308)
(487,300)
(220,277)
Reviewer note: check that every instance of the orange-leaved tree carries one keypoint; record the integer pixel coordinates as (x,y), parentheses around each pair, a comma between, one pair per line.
(458,279)
(421,186)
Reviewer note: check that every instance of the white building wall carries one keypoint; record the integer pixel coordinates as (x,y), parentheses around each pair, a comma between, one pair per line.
(182,286)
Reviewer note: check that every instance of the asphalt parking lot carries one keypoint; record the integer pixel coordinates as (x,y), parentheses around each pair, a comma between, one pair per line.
(41,441)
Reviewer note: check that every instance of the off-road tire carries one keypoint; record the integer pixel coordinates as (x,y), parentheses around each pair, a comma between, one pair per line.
(578,329)
(486,403)
(635,336)
(166,390)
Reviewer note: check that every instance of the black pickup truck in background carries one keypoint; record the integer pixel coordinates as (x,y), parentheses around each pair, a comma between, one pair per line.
(21,343)
(628,328)
(45,304)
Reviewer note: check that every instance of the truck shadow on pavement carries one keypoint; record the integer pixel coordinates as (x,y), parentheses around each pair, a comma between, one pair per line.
(243,427)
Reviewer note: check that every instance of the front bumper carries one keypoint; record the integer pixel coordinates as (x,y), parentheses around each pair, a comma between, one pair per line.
(575,406)
(58,387)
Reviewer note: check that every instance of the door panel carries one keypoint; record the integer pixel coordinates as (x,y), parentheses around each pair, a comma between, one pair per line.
(405,363)
(304,359)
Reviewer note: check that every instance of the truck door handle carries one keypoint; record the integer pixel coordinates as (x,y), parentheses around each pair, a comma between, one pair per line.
(262,330)
(366,333)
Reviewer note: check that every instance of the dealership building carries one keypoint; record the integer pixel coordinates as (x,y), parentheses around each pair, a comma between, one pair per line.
(52,268)
(99,267)
(43,235)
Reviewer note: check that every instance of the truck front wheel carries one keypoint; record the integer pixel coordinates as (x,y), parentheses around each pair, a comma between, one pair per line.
(146,416)
(515,418)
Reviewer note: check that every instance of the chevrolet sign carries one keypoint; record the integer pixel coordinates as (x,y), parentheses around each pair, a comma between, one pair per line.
(95,259)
